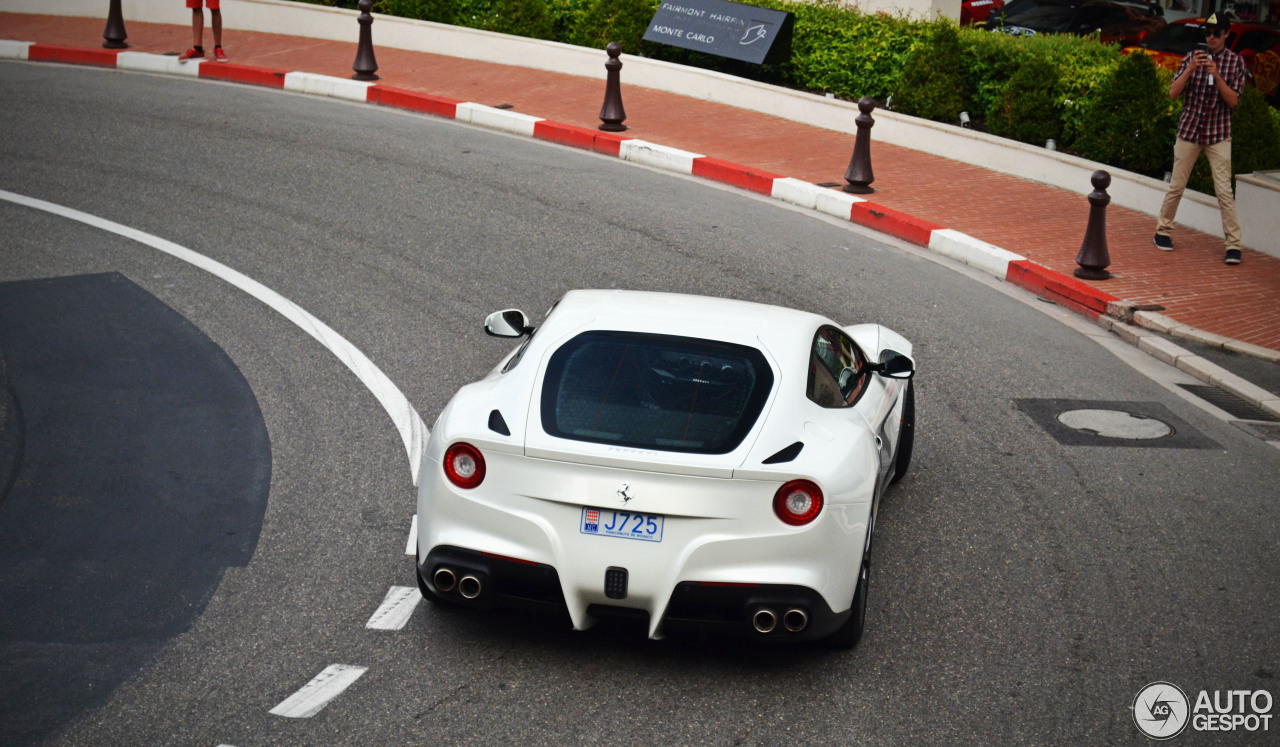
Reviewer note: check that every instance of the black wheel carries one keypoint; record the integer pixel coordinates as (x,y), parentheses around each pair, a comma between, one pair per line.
(906,435)
(848,635)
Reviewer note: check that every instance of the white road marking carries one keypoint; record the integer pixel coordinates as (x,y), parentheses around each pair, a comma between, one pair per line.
(396,608)
(406,419)
(317,693)
(411,548)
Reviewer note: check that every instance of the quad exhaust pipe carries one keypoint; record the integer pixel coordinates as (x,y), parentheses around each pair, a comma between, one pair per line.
(444,579)
(469,587)
(766,621)
(795,620)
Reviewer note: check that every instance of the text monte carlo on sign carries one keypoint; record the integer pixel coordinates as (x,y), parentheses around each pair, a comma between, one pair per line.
(725,29)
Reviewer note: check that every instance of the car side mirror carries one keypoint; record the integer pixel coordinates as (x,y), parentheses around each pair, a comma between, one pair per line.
(507,323)
(895,365)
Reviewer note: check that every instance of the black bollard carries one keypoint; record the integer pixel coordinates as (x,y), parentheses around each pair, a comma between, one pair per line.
(114,33)
(1094,257)
(859,173)
(366,64)
(612,113)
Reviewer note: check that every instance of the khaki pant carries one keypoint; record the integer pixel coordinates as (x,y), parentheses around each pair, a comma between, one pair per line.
(1184,157)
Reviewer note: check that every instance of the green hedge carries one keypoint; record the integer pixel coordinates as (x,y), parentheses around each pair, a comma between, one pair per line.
(933,83)
(1087,96)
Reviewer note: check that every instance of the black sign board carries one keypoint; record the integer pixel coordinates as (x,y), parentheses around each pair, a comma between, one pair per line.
(725,29)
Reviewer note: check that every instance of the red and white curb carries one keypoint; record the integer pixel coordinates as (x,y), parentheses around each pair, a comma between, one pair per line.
(1065,290)
(993,260)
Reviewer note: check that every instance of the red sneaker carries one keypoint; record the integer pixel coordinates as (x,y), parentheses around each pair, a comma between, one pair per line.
(195,53)
(219,55)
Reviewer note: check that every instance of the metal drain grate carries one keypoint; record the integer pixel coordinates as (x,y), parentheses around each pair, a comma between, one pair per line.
(1230,403)
(1264,431)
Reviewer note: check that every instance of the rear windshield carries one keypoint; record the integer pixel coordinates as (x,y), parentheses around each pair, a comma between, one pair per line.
(654,391)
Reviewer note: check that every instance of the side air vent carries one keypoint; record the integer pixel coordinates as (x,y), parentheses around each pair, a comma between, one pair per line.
(497,424)
(786,455)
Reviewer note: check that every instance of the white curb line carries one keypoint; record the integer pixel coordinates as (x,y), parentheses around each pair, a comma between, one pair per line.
(14,50)
(326,85)
(496,119)
(658,156)
(146,62)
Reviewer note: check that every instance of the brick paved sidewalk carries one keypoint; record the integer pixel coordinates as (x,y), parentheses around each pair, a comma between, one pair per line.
(1042,223)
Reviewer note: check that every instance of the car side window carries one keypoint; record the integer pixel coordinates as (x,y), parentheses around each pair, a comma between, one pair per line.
(1256,39)
(837,369)
(1097,17)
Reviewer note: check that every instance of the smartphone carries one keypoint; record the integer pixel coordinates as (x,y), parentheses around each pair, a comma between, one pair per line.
(1204,47)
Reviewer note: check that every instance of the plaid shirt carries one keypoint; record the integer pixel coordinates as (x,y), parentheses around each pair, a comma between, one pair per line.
(1206,118)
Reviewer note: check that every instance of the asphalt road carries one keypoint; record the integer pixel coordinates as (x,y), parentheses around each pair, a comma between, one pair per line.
(1023,591)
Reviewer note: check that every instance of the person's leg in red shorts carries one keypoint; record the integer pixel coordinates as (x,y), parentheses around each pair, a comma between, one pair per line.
(215,21)
(197,30)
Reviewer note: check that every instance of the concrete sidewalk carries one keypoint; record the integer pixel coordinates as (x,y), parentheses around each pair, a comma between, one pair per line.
(1190,286)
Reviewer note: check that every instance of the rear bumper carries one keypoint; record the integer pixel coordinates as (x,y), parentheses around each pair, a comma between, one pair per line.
(763,612)
(798,613)
(503,582)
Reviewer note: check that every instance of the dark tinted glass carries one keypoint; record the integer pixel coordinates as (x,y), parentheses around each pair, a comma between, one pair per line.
(1039,14)
(654,391)
(837,369)
(1044,18)
(1018,7)
(1257,40)
(1176,37)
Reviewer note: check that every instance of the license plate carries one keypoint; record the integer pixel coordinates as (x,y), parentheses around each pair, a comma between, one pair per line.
(626,524)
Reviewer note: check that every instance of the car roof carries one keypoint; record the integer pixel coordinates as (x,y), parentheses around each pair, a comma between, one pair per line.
(677,314)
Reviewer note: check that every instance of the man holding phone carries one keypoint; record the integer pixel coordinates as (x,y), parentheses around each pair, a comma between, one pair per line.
(1209,82)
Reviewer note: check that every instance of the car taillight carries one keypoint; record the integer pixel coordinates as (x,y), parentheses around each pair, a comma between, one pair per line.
(798,502)
(464,465)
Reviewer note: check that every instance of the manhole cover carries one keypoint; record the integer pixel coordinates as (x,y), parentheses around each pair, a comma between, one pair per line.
(1115,424)
(1080,422)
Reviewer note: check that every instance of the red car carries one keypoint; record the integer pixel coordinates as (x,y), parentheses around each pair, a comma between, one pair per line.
(1258,44)
(972,11)
(1123,23)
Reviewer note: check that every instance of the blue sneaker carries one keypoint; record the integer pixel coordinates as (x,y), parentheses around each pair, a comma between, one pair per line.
(1164,243)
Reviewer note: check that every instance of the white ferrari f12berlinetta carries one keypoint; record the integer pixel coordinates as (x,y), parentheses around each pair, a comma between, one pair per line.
(699,463)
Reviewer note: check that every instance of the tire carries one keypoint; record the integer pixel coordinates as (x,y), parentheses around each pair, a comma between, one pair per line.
(906,435)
